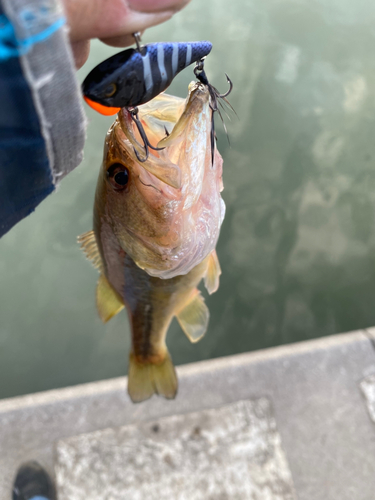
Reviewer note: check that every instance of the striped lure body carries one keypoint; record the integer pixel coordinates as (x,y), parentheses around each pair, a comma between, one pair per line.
(134,77)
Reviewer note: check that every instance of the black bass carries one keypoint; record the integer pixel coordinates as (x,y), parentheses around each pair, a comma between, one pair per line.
(156,225)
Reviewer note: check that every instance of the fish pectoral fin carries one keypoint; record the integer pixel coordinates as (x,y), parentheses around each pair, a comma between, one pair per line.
(194,316)
(108,301)
(212,277)
(90,248)
(146,379)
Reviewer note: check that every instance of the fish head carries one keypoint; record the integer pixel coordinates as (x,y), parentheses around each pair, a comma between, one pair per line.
(165,212)
(134,203)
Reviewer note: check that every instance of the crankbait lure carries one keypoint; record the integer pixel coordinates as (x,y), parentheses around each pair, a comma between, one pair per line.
(135,76)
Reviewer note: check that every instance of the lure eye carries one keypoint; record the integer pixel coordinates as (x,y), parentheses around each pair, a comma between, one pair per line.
(110,90)
(118,176)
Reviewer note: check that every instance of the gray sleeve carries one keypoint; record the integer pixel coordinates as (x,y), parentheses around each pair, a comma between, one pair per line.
(48,67)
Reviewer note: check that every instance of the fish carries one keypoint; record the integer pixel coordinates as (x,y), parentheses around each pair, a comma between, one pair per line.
(155,229)
(133,77)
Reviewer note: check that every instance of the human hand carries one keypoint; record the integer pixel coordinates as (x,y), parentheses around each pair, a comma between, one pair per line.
(113,21)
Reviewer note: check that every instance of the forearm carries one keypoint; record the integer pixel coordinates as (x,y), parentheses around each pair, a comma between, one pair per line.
(42,123)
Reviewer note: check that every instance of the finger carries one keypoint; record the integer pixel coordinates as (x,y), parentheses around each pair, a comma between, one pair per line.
(157,5)
(111,19)
(119,41)
(81,52)
(138,21)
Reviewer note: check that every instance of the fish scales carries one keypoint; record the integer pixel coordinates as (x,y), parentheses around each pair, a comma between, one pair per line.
(156,225)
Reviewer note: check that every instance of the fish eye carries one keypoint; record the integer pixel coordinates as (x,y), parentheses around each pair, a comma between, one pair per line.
(118,175)
(122,178)
(110,90)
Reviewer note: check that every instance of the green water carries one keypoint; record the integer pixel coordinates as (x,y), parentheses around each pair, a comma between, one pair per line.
(297,247)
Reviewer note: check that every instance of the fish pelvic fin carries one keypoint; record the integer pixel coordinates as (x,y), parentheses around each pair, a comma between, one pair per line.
(193,317)
(147,378)
(212,277)
(89,246)
(108,301)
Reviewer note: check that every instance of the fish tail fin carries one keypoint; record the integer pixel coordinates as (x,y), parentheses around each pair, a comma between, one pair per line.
(146,379)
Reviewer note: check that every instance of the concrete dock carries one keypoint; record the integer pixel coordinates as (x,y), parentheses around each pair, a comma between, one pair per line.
(292,422)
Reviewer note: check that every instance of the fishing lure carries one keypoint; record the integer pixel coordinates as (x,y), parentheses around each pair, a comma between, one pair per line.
(135,76)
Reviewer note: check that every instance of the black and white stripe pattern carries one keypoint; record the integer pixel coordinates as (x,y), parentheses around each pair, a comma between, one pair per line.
(139,76)
(163,61)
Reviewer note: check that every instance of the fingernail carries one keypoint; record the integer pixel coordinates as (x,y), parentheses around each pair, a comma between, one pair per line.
(139,21)
(156,5)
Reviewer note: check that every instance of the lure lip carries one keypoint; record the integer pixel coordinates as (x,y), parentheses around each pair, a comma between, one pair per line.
(100,108)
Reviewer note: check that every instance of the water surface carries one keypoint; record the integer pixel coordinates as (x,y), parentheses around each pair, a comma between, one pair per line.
(297,246)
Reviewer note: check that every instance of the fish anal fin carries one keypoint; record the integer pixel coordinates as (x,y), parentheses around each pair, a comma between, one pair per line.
(108,301)
(212,277)
(87,242)
(146,378)
(193,317)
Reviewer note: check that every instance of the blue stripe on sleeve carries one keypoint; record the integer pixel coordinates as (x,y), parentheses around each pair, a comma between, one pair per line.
(10,46)
(25,175)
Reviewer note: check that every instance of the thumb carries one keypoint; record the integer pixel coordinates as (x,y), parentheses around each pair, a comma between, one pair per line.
(108,19)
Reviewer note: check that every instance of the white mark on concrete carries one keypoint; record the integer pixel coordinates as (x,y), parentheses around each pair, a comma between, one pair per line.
(233,452)
(367,386)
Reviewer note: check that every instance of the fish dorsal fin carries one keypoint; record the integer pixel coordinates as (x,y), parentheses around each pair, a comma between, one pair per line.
(211,279)
(194,316)
(108,301)
(87,242)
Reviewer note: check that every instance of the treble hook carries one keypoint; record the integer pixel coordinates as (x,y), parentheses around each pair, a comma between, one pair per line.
(214,93)
(229,90)
(214,96)
(146,143)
